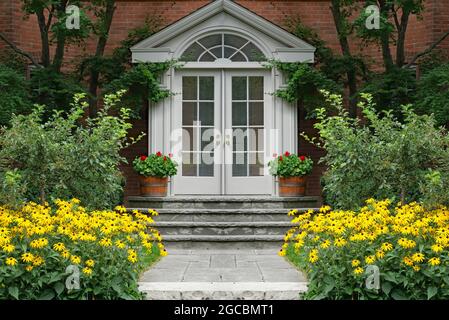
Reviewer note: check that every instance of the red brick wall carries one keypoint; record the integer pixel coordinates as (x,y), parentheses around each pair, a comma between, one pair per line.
(314,13)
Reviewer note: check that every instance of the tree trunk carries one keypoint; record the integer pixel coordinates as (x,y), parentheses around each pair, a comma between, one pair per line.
(45,51)
(402,31)
(385,40)
(60,40)
(344,44)
(101,45)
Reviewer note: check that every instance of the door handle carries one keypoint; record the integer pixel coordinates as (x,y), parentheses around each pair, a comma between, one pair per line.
(228,140)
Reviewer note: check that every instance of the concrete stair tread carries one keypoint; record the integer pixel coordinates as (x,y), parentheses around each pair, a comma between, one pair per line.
(223,238)
(222,211)
(222,224)
(243,198)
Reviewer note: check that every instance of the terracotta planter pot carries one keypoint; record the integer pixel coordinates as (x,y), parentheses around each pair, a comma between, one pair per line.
(153,186)
(292,186)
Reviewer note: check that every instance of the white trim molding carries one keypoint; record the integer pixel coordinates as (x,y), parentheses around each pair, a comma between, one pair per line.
(223,16)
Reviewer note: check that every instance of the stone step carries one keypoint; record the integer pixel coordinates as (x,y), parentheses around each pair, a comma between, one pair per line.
(223,228)
(215,242)
(222,215)
(222,290)
(222,202)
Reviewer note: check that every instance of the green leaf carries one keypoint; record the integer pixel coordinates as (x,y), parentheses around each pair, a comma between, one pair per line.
(47,295)
(431,292)
(14,291)
(59,288)
(397,294)
(386,287)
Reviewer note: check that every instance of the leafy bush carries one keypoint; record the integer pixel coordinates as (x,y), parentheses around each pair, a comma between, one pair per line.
(381,157)
(433,94)
(155,165)
(407,244)
(45,249)
(14,98)
(290,165)
(61,158)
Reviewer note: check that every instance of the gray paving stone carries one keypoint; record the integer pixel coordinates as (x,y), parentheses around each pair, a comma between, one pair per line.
(222,261)
(241,275)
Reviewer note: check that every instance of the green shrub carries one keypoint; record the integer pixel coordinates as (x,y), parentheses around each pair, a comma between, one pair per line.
(433,94)
(382,157)
(14,98)
(62,158)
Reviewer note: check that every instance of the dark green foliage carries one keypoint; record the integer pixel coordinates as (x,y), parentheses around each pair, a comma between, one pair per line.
(14,98)
(433,94)
(391,90)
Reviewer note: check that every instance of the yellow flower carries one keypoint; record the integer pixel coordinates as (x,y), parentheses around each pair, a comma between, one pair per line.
(27,257)
(29,268)
(358,270)
(282,253)
(87,271)
(437,248)
(105,242)
(11,261)
(38,261)
(59,246)
(408,261)
(313,256)
(325,244)
(416,268)
(434,261)
(90,263)
(355,263)
(406,243)
(386,246)
(370,259)
(120,244)
(164,253)
(380,254)
(65,254)
(9,248)
(418,257)
(75,259)
(39,243)
(340,242)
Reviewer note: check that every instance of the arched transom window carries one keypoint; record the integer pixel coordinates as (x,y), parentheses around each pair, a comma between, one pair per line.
(222,46)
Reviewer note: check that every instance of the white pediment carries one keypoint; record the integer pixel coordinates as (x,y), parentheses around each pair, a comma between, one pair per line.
(227,17)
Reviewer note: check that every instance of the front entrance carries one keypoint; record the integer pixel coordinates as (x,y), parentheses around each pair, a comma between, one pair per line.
(223,123)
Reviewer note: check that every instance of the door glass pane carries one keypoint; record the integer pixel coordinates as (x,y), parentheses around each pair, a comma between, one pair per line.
(206,113)
(206,88)
(239,114)
(211,41)
(256,113)
(189,88)
(188,113)
(189,139)
(256,139)
(256,167)
(217,52)
(188,164)
(207,139)
(234,41)
(238,88)
(238,57)
(206,166)
(239,164)
(255,88)
(239,139)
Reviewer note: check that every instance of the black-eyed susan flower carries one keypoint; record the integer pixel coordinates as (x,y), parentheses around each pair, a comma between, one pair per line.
(355,263)
(90,263)
(27,257)
(358,271)
(87,271)
(370,259)
(434,261)
(11,261)
(75,259)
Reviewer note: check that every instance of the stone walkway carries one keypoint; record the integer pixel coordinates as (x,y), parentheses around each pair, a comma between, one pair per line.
(223,274)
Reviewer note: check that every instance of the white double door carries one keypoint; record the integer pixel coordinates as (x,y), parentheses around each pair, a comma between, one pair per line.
(223,123)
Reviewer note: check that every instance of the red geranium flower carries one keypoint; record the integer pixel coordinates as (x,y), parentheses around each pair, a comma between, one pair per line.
(287,154)
(143,158)
(159,154)
(165,158)
(170,155)
(275,155)
(302,158)
(280,158)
